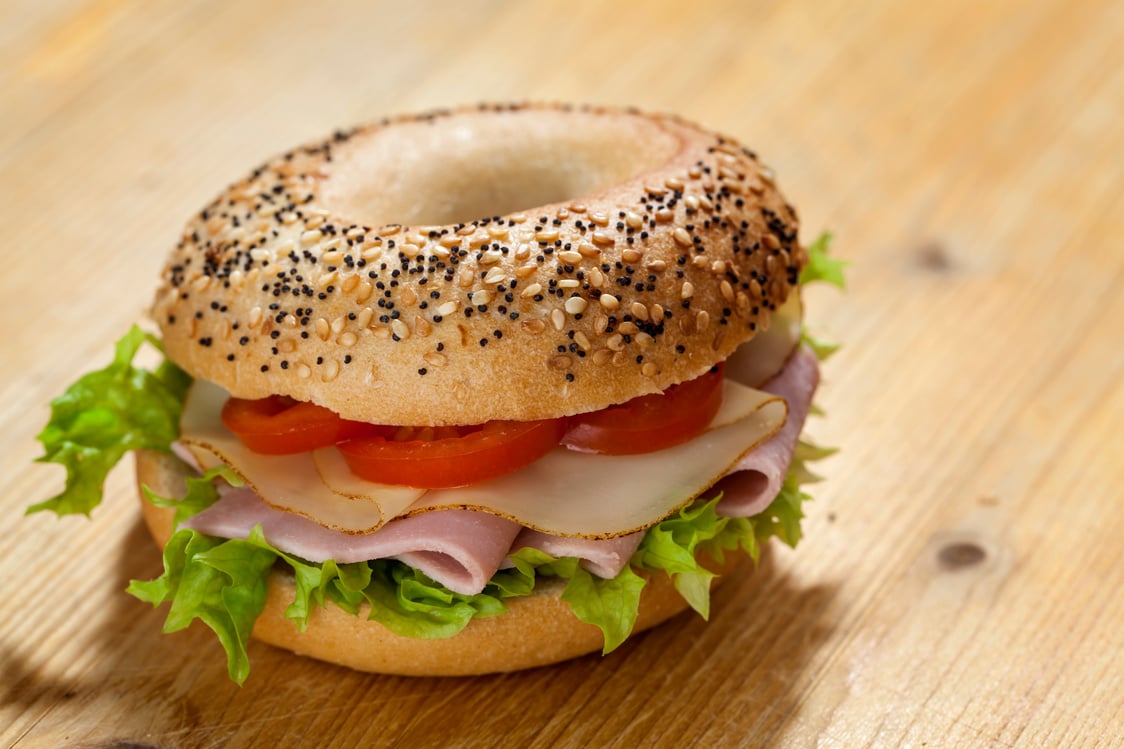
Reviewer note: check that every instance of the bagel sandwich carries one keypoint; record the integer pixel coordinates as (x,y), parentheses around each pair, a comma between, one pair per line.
(465,392)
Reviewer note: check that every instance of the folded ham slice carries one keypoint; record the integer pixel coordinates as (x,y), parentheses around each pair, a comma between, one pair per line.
(754,481)
(462,549)
(604,557)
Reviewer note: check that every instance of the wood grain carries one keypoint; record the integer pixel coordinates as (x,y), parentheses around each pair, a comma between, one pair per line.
(960,581)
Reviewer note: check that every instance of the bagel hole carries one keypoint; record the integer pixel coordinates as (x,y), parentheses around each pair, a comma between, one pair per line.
(457,169)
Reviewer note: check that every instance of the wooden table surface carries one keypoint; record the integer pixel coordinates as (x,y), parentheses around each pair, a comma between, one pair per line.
(961,579)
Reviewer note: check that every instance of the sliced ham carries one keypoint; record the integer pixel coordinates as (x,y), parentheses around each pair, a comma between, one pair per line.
(756,479)
(460,549)
(604,557)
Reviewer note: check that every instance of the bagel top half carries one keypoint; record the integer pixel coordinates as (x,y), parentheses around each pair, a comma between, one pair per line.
(495,262)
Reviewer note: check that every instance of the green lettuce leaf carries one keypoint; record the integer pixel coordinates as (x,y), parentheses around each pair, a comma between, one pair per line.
(821,266)
(821,348)
(408,603)
(104,415)
(672,545)
(782,517)
(611,605)
(201,493)
(221,582)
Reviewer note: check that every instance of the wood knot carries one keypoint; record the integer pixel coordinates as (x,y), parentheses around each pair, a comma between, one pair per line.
(933,256)
(960,555)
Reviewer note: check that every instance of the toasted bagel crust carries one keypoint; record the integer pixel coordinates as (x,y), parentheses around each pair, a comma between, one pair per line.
(537,630)
(494,262)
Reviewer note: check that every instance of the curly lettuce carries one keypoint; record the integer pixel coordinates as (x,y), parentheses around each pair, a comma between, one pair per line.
(104,415)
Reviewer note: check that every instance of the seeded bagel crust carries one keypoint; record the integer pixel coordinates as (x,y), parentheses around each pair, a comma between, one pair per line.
(495,262)
(536,630)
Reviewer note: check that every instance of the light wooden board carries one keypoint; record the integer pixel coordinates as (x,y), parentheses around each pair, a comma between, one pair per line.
(960,584)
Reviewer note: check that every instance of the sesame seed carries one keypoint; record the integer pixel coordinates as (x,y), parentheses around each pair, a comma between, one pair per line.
(603,238)
(482,297)
(575,305)
(348,339)
(399,328)
(615,342)
(687,291)
(585,249)
(609,302)
(557,318)
(570,256)
(532,290)
(533,326)
(681,236)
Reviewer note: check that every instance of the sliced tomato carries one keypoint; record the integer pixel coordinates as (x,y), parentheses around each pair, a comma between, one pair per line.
(650,422)
(445,457)
(279,425)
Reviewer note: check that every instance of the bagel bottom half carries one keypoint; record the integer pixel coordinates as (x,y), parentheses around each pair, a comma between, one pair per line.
(536,630)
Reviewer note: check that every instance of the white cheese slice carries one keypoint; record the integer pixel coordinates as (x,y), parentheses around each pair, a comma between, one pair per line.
(564,493)
(292,483)
(757,360)
(569,493)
